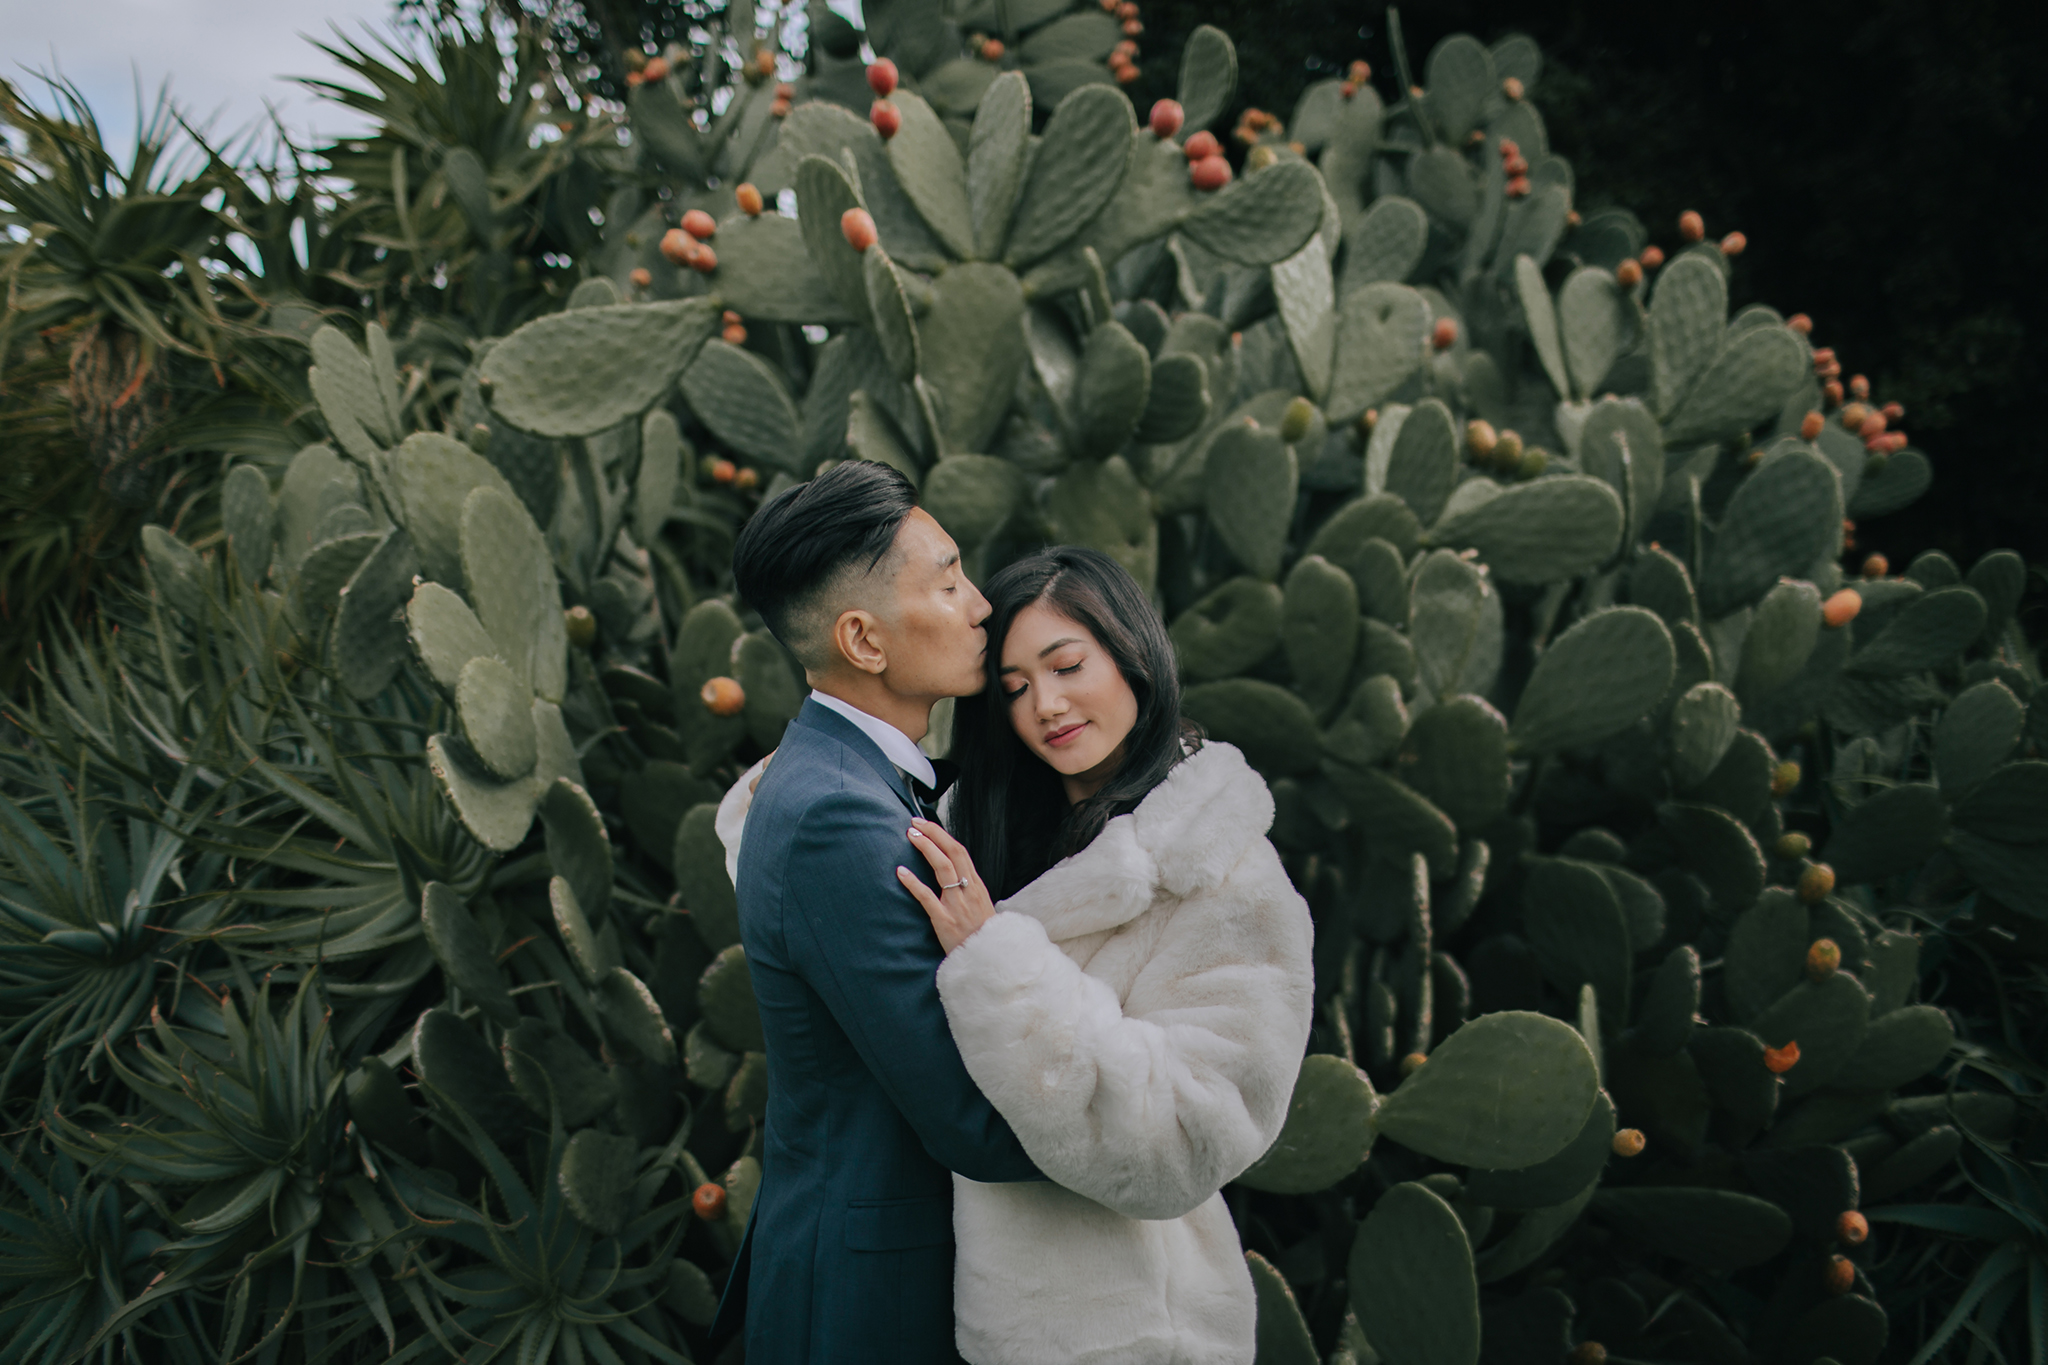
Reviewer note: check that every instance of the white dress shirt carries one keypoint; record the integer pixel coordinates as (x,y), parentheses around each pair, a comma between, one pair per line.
(896,746)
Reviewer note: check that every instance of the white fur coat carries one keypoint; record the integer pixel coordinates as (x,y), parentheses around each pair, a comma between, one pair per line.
(1138,1014)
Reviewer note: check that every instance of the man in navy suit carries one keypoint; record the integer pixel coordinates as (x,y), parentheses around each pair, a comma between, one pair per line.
(849,1253)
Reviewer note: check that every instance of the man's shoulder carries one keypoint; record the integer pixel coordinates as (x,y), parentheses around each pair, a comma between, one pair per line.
(815,778)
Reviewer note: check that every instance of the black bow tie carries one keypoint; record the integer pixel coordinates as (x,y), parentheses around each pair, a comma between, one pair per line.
(946,774)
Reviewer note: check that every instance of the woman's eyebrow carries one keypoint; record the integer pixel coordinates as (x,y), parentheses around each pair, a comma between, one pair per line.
(1069,640)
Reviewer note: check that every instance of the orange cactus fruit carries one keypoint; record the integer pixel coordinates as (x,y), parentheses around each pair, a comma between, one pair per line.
(1801,324)
(699,224)
(764,63)
(1785,778)
(1515,165)
(1852,416)
(723,696)
(723,471)
(1200,145)
(1691,227)
(1629,273)
(1125,74)
(746,480)
(1132,28)
(634,79)
(1823,959)
(748,197)
(703,260)
(1480,438)
(1872,425)
(1810,425)
(1779,1060)
(655,70)
(729,316)
(1841,608)
(1852,1228)
(779,109)
(1734,244)
(734,334)
(1518,187)
(1816,883)
(1833,390)
(1348,89)
(1629,1142)
(1894,412)
(991,51)
(678,246)
(858,227)
(1359,72)
(1859,386)
(1444,335)
(1653,256)
(1840,1275)
(1210,173)
(1877,566)
(1512,87)
(708,1202)
(1413,1063)
(641,277)
(882,77)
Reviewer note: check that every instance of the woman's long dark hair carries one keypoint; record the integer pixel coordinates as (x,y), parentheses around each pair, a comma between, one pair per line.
(1010,808)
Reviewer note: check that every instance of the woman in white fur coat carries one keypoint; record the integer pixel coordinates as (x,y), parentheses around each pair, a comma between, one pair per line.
(1128,977)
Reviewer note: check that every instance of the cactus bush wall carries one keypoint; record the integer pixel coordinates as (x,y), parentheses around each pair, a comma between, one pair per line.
(373,984)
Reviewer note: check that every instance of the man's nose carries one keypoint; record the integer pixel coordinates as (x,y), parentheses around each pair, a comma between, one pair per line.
(978,608)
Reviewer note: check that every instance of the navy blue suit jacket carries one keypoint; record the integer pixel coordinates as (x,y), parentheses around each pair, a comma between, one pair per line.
(848,1256)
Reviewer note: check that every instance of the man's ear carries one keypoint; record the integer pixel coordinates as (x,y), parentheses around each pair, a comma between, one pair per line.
(856,639)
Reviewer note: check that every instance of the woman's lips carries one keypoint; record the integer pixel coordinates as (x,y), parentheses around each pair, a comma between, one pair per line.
(1065,735)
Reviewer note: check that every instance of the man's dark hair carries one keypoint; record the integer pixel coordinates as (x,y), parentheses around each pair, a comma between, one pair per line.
(805,540)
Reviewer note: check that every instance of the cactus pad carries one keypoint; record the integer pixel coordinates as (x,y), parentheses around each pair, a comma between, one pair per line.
(583,371)
(725,993)
(1715,1229)
(701,881)
(464,953)
(512,582)
(631,1018)
(1556,1179)
(553,1074)
(1597,678)
(744,402)
(1328,1131)
(1382,331)
(1250,487)
(1540,532)
(494,708)
(597,1179)
(1079,162)
(458,1068)
(497,813)
(1412,1280)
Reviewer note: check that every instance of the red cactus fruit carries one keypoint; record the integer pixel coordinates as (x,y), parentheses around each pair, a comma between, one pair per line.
(734,334)
(1629,1142)
(1348,89)
(1512,87)
(1784,778)
(749,199)
(1779,1060)
(699,224)
(641,277)
(1515,165)
(1132,28)
(886,117)
(991,51)
(1893,412)
(655,70)
(708,1201)
(882,77)
(1210,173)
(1816,883)
(1200,145)
(1359,73)
(1444,335)
(1126,47)
(1859,386)
(1691,227)
(1823,959)
(1800,323)
(858,227)
(723,471)
(1167,117)
(1518,187)
(634,78)
(703,260)
(1833,391)
(778,108)
(1840,1275)
(728,317)
(1653,256)
(1852,1228)
(1629,273)
(1871,425)
(1127,10)
(1125,74)
(1734,244)
(677,246)
(1792,844)
(1480,438)
(1810,426)
(1877,566)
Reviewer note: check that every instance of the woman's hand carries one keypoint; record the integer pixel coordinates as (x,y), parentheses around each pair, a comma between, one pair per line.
(962,903)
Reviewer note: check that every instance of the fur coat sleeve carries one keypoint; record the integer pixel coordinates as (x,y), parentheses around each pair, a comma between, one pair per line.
(1138,1013)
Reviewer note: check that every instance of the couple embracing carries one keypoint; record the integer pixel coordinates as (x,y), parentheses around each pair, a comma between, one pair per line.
(1020,1039)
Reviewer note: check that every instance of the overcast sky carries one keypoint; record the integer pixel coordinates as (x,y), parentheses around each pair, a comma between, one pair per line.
(224,59)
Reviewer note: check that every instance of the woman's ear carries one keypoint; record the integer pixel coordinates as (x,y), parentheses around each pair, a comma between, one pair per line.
(854,640)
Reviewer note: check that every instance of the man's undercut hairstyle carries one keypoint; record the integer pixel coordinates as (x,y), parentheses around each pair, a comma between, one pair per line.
(798,554)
